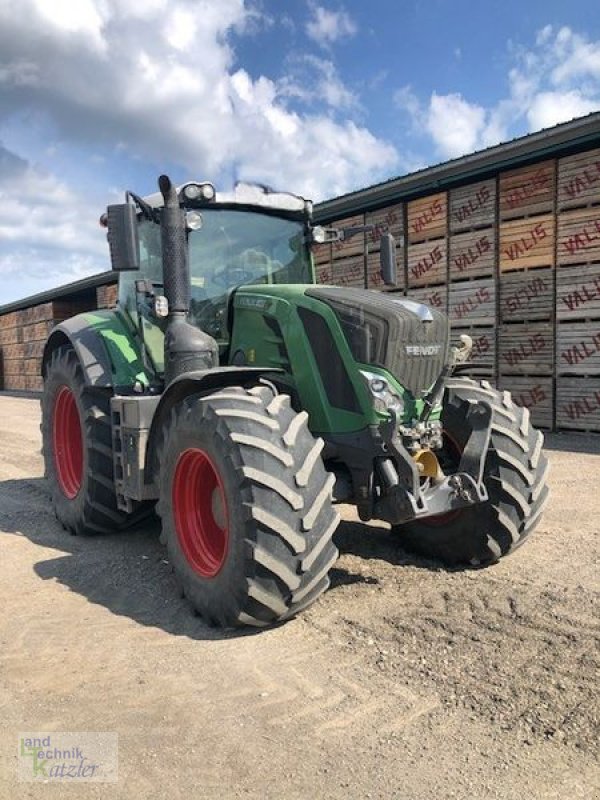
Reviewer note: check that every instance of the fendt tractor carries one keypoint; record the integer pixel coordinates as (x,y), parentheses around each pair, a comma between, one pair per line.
(244,401)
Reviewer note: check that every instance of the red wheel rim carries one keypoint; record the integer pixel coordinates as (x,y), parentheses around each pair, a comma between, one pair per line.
(200,512)
(68,443)
(456,450)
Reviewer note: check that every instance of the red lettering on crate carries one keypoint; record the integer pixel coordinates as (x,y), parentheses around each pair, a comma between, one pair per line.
(482,295)
(481,345)
(520,299)
(520,194)
(518,249)
(427,263)
(380,228)
(533,345)
(474,204)
(582,181)
(582,295)
(531,397)
(435,299)
(435,210)
(470,256)
(582,351)
(581,408)
(583,238)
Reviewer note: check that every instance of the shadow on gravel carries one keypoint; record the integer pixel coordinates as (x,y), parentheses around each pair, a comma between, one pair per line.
(128,572)
(366,541)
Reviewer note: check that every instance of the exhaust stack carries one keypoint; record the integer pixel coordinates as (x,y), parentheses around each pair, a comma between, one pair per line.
(187,348)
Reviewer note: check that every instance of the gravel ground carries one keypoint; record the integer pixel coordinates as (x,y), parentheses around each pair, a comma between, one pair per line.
(405,681)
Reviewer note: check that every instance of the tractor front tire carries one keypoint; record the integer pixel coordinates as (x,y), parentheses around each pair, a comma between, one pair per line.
(246,508)
(515,475)
(77,450)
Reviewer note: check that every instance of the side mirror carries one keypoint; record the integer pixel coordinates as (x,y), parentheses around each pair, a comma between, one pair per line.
(123,238)
(387,260)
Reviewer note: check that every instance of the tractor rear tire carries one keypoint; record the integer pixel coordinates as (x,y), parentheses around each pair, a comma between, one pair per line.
(77,450)
(515,475)
(246,508)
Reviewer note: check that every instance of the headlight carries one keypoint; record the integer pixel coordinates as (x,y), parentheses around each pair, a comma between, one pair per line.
(385,397)
(199,191)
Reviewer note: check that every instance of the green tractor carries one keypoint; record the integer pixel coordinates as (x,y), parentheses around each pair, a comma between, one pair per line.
(244,401)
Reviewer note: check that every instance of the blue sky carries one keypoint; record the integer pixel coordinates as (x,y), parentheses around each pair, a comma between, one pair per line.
(312,96)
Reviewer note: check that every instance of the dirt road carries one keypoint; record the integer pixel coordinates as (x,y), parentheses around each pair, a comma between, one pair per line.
(405,681)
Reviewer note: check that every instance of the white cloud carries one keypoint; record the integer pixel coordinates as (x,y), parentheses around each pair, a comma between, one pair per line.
(316,82)
(50,233)
(552,82)
(160,79)
(326,27)
(550,108)
(454,124)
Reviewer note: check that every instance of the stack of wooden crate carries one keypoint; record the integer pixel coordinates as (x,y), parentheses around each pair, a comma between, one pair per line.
(472,254)
(578,292)
(23,334)
(526,262)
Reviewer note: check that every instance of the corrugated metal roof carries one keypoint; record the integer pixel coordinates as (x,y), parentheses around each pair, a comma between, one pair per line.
(558,140)
(101,279)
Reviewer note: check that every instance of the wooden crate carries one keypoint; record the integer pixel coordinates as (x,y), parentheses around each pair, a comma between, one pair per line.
(427,217)
(13,351)
(34,349)
(526,349)
(527,243)
(578,236)
(578,403)
(579,180)
(14,383)
(37,331)
(349,247)
(578,293)
(472,254)
(385,220)
(578,348)
(528,190)
(349,271)
(473,206)
(13,366)
(8,321)
(526,296)
(323,273)
(427,263)
(434,296)
(472,302)
(483,356)
(321,253)
(106,296)
(533,393)
(11,335)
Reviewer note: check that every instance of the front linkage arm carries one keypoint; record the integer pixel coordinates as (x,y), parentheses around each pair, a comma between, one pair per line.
(405,499)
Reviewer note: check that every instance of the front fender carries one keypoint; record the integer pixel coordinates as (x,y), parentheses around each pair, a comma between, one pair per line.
(197,382)
(105,347)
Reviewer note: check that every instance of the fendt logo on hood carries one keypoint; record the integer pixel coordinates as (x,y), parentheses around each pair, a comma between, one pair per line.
(423,349)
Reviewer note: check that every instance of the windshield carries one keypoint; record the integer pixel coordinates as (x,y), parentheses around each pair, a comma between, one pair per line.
(230,249)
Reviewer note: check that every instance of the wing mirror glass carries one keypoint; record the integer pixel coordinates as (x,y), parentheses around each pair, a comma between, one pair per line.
(387,260)
(123,238)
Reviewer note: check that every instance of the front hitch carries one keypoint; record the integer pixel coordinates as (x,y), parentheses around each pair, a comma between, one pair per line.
(405,499)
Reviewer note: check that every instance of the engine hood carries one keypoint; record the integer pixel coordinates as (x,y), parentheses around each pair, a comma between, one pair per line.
(408,339)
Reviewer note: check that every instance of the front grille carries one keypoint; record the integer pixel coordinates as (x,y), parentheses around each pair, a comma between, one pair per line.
(406,339)
(336,382)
